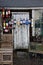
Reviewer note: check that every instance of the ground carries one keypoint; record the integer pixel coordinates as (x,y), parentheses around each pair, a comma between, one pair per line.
(25,59)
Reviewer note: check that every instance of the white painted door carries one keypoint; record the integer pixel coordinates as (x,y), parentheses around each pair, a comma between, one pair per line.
(21,31)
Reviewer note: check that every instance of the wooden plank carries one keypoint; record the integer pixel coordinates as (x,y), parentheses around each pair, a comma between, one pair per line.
(6,50)
(7,37)
(6,45)
(7,62)
(34,51)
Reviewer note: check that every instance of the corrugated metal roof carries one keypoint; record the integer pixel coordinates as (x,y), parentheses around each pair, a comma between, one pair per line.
(21,3)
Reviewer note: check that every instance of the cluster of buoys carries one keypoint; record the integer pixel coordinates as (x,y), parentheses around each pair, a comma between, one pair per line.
(22,21)
(5,13)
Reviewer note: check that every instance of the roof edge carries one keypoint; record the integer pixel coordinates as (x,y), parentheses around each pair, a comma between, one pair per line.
(21,8)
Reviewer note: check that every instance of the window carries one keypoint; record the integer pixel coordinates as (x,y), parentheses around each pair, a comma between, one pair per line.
(37,39)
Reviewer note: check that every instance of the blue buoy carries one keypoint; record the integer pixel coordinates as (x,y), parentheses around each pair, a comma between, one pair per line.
(27,22)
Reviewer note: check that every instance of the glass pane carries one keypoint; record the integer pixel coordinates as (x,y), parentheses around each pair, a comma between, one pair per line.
(37,40)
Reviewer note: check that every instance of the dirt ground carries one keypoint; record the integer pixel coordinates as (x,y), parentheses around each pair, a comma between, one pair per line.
(26,59)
